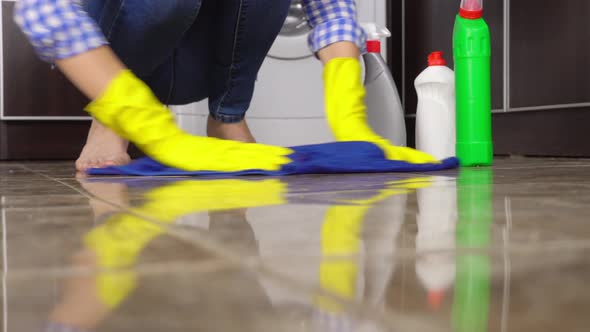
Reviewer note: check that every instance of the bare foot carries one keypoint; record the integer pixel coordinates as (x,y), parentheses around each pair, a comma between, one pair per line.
(107,197)
(103,148)
(230,131)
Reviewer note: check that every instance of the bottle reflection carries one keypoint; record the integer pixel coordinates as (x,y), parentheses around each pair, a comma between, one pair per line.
(472,288)
(435,241)
(350,268)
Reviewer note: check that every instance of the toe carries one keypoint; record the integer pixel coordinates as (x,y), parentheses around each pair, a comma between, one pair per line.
(92,164)
(81,164)
(106,163)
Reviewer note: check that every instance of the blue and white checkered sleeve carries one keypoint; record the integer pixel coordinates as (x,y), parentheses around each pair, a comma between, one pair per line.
(58,29)
(333,21)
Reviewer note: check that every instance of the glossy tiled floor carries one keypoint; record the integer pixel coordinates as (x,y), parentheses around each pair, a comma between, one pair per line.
(502,249)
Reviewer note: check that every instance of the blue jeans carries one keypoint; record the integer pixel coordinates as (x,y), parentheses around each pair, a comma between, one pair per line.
(189,50)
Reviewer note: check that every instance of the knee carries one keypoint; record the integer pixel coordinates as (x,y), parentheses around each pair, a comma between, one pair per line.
(282,10)
(284,5)
(166,13)
(273,13)
(270,14)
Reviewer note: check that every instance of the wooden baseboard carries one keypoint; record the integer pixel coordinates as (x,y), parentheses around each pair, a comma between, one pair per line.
(47,140)
(554,133)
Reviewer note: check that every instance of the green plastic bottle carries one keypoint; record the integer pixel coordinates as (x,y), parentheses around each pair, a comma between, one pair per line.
(472,54)
(471,305)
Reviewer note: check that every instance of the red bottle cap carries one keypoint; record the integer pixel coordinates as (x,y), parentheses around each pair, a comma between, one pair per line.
(436,59)
(471,9)
(471,14)
(374,46)
(435,299)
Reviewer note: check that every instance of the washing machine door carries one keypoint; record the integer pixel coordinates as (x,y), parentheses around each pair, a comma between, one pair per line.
(291,43)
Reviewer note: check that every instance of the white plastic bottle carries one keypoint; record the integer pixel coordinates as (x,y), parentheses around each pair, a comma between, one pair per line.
(435,117)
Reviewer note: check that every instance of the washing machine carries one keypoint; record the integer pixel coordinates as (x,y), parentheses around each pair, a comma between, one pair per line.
(288,104)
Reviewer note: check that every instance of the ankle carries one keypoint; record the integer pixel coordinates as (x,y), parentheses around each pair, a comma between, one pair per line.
(229,131)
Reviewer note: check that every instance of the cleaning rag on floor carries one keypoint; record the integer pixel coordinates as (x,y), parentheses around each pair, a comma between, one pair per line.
(329,158)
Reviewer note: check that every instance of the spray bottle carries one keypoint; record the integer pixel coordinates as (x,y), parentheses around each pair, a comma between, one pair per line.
(384,107)
(472,53)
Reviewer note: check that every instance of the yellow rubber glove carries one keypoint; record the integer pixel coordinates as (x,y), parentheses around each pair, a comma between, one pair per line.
(186,197)
(346,111)
(341,241)
(117,244)
(130,109)
(119,241)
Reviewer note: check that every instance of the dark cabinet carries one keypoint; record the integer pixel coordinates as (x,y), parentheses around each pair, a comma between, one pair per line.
(42,113)
(540,70)
(549,53)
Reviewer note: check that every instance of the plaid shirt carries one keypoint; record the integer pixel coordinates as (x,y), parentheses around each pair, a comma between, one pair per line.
(333,21)
(60,29)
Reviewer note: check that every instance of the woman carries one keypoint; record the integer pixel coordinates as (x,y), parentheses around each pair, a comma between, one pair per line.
(185,51)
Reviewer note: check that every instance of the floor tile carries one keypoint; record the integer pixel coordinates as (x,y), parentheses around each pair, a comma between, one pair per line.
(477,249)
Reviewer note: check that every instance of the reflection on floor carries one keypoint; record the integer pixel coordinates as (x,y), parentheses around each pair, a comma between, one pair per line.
(474,250)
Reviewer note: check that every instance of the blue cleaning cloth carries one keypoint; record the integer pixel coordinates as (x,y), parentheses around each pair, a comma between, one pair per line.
(329,158)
